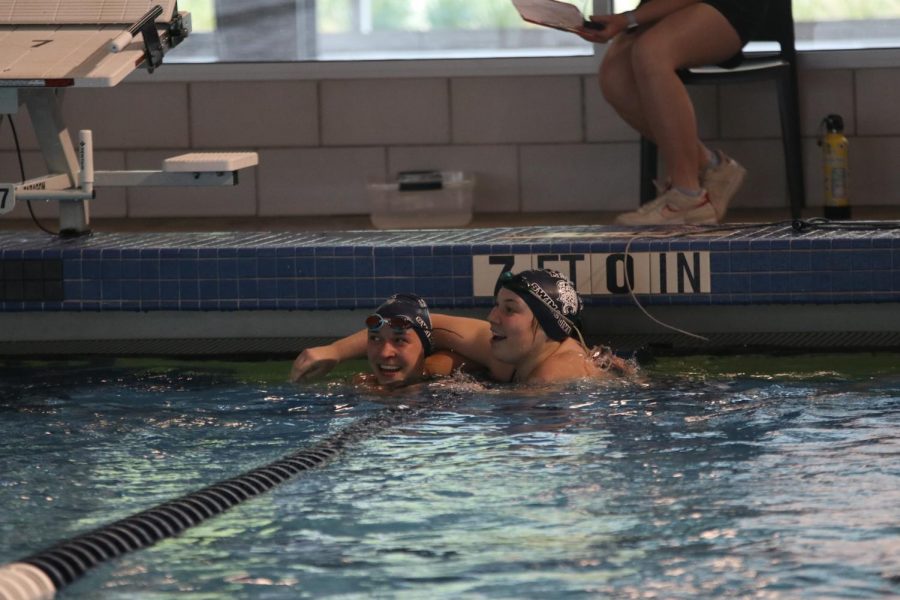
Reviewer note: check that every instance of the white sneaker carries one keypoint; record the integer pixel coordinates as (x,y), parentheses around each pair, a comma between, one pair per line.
(672,208)
(654,204)
(722,182)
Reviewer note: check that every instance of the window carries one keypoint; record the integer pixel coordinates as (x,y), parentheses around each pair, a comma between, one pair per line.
(331,30)
(358,30)
(838,24)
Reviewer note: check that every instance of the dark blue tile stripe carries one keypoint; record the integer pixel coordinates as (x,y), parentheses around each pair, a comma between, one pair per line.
(770,264)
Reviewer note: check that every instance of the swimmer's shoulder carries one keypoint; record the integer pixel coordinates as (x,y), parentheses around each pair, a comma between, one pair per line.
(575,362)
(566,365)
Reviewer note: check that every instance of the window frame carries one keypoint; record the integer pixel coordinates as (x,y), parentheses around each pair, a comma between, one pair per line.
(468,67)
(475,67)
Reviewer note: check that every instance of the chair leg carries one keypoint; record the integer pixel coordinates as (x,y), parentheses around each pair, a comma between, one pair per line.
(789,107)
(648,170)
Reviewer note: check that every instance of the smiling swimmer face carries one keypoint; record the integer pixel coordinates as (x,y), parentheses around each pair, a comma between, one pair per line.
(513,331)
(396,357)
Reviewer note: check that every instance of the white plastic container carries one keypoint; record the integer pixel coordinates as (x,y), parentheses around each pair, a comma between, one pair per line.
(432,201)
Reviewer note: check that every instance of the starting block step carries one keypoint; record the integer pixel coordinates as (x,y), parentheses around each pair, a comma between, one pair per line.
(205,162)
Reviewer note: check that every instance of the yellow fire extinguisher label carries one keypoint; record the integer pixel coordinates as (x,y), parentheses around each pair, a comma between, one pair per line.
(836,169)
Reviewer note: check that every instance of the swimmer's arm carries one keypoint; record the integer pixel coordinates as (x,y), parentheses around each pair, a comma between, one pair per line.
(319,360)
(470,338)
(445,362)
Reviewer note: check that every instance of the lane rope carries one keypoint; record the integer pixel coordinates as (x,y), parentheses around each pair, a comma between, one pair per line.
(40,575)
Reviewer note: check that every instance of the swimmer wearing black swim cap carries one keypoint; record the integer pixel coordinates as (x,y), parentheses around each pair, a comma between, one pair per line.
(402,311)
(399,340)
(551,297)
(532,335)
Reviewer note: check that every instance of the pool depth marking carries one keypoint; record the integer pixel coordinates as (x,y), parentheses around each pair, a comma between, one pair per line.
(602,274)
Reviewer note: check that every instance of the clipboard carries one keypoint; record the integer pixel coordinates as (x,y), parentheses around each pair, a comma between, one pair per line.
(555,14)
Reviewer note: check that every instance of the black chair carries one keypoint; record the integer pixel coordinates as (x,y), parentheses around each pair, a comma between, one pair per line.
(781,67)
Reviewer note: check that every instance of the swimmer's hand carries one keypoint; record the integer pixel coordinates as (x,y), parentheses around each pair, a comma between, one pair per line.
(317,361)
(314,362)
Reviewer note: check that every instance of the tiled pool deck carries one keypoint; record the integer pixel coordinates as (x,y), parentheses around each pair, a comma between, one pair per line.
(246,273)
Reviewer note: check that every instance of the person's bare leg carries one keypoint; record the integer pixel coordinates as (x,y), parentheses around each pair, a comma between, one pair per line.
(619,88)
(618,85)
(695,35)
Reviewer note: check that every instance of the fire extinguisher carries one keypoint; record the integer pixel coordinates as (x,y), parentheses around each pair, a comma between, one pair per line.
(836,168)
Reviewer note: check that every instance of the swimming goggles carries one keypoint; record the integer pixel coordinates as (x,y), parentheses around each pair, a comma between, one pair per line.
(519,283)
(399,323)
(507,279)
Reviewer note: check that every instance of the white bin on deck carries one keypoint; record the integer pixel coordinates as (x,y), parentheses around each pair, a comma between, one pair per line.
(422,200)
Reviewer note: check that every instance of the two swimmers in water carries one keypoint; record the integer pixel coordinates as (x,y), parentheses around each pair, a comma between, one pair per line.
(532,335)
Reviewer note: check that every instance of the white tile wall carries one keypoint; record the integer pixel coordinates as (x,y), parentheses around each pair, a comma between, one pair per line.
(227,115)
(543,143)
(318,181)
(823,93)
(749,110)
(129,116)
(579,177)
(385,111)
(509,110)
(875,171)
(133,116)
(878,98)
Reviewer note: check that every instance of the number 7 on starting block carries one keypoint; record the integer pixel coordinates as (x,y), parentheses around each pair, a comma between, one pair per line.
(7,197)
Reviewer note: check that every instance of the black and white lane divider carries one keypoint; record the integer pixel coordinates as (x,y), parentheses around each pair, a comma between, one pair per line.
(41,575)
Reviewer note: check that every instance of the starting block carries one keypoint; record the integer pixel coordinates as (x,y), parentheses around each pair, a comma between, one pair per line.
(198,162)
(47,46)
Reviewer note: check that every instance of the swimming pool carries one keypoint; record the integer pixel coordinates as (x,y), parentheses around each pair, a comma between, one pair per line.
(714,477)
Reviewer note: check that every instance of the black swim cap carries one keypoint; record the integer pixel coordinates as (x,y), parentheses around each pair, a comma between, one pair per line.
(550,296)
(413,308)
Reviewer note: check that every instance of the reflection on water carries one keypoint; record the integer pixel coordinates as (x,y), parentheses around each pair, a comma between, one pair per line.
(717,479)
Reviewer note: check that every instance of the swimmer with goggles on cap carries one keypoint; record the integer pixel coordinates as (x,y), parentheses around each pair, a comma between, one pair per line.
(398,345)
(532,335)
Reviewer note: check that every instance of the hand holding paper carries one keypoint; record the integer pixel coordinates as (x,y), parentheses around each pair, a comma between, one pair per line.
(555,14)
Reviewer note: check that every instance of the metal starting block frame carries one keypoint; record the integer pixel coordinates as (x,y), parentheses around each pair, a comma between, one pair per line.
(50,45)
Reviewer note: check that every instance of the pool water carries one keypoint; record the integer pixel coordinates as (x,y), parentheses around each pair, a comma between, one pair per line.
(750,476)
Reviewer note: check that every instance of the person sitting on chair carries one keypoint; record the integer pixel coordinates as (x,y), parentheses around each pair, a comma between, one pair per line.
(639,78)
